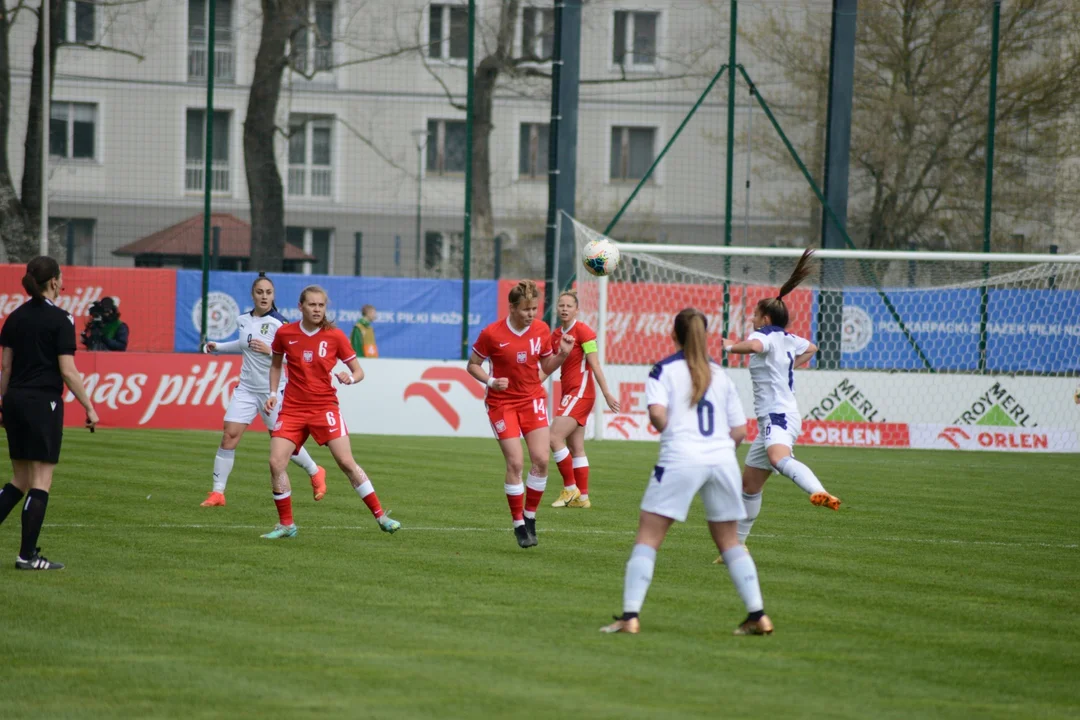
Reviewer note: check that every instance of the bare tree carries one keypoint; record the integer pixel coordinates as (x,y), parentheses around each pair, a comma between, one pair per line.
(920,113)
(20,213)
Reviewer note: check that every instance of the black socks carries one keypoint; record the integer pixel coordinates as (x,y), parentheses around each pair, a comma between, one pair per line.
(33,516)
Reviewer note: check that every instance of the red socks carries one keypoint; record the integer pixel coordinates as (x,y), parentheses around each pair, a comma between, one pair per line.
(515,498)
(534,490)
(566,467)
(581,474)
(366,491)
(284,507)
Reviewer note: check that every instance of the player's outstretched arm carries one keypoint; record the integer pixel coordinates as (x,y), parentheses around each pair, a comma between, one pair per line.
(233,346)
(746,347)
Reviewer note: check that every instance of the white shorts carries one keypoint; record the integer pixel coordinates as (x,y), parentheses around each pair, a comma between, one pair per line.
(245,405)
(671,490)
(776,429)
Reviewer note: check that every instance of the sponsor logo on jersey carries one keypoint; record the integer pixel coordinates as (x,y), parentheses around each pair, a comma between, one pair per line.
(997,407)
(308,356)
(523,357)
(846,403)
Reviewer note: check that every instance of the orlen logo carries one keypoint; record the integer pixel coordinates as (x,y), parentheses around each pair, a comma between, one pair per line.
(434,385)
(951,435)
(625,425)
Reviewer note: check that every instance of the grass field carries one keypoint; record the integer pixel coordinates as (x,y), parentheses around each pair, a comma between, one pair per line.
(946,587)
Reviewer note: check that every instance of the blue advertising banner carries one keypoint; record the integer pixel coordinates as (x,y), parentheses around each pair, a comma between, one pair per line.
(1027,330)
(417,318)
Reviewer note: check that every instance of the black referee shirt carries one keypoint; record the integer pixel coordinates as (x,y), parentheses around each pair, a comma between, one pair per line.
(38,333)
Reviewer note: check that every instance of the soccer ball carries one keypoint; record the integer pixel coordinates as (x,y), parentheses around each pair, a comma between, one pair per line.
(600,257)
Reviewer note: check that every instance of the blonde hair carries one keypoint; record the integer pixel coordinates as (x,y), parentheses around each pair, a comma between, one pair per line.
(326,323)
(570,294)
(524,290)
(690,332)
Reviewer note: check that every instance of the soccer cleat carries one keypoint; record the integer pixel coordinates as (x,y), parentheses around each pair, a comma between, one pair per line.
(318,483)
(761,626)
(530,527)
(579,502)
(824,499)
(388,525)
(524,539)
(282,531)
(566,497)
(720,560)
(630,625)
(213,499)
(37,562)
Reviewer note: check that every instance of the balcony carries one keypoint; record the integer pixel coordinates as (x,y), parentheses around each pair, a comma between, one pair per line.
(224,61)
(321,178)
(195,179)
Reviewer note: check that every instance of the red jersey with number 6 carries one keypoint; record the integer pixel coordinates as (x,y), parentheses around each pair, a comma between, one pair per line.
(515,356)
(310,358)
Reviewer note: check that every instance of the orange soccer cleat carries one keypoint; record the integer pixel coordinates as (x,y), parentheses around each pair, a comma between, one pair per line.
(213,499)
(761,626)
(318,483)
(824,499)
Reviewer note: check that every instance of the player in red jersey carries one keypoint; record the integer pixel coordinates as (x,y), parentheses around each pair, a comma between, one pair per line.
(518,348)
(310,406)
(578,396)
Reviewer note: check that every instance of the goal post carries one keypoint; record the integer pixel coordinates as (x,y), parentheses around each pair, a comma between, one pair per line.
(936,349)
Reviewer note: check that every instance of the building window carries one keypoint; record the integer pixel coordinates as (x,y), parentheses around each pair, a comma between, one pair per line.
(537,33)
(76,237)
(224,52)
(310,168)
(72,129)
(448,32)
(313,43)
(632,152)
(533,150)
(78,22)
(635,39)
(194,179)
(317,242)
(446,147)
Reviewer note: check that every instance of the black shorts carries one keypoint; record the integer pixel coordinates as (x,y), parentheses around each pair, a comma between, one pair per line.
(34,421)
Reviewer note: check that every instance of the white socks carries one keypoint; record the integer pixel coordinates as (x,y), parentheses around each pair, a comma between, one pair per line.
(801,475)
(223,463)
(639,572)
(561,455)
(580,462)
(753,507)
(743,573)
(303,459)
(365,489)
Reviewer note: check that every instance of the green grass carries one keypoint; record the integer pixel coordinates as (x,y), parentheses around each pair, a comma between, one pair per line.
(946,587)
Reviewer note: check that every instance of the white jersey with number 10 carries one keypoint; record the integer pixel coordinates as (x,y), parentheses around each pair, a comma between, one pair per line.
(773,370)
(696,435)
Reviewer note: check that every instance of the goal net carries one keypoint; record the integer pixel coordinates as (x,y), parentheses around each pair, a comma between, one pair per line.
(916,349)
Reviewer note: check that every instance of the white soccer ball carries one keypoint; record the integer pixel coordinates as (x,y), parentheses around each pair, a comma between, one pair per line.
(600,257)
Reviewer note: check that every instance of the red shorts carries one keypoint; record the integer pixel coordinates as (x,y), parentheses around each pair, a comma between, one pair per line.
(322,425)
(577,408)
(515,421)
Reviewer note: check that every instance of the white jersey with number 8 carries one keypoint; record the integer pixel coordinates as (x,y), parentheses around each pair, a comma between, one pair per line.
(698,434)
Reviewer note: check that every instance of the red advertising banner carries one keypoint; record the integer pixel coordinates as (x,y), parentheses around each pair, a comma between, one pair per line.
(146,299)
(155,390)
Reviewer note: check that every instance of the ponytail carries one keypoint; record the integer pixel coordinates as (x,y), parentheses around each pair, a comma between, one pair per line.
(39,272)
(775,308)
(690,332)
(326,323)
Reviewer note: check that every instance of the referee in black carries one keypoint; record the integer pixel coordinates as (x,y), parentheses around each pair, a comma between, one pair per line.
(38,342)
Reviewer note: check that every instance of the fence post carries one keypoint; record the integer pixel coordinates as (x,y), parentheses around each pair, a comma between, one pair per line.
(1052,282)
(208,173)
(729,191)
(358,259)
(988,202)
(46,112)
(467,260)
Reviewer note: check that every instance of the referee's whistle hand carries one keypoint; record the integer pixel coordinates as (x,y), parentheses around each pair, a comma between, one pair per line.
(92,419)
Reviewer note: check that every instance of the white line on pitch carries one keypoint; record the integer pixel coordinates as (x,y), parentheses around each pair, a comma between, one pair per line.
(583,531)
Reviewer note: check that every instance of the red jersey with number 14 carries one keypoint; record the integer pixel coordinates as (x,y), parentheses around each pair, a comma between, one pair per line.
(515,356)
(576,378)
(310,358)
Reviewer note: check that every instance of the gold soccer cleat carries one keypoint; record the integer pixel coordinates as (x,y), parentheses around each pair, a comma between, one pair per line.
(580,502)
(761,626)
(566,497)
(632,626)
(824,499)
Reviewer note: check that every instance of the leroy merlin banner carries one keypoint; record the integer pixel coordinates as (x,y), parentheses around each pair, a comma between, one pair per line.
(1027,330)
